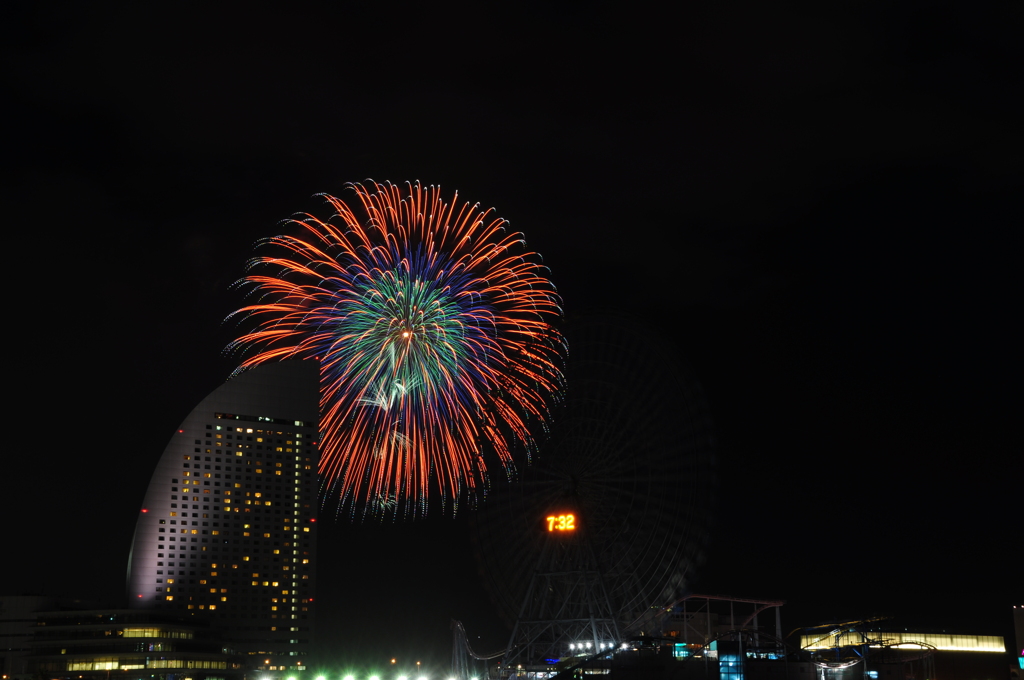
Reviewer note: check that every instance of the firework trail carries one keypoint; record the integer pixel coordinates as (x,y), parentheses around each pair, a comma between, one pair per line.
(433,328)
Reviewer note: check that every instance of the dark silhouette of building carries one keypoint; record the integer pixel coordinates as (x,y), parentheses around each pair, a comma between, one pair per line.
(17,622)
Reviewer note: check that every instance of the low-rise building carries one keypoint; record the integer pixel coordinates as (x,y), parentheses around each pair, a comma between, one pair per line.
(128,645)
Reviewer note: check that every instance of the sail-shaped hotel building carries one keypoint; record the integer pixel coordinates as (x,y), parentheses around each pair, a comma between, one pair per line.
(227,530)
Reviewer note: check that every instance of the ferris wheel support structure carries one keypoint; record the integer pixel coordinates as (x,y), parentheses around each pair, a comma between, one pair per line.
(566,606)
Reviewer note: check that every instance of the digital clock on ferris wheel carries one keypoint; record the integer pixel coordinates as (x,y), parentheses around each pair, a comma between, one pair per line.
(561,522)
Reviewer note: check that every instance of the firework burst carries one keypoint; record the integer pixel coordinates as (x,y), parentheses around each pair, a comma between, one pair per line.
(433,328)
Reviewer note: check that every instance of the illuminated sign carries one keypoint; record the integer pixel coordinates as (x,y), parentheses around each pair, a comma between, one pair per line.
(561,522)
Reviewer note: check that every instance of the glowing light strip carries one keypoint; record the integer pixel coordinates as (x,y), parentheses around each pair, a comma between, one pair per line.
(943,642)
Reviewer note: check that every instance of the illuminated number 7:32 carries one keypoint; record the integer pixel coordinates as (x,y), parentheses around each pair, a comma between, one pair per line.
(561,522)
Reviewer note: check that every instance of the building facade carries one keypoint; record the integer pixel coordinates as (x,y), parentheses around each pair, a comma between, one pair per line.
(17,621)
(136,645)
(227,530)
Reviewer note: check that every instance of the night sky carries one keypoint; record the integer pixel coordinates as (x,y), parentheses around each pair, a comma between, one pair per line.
(820,206)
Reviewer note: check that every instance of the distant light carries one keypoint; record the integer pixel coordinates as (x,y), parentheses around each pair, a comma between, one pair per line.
(348,677)
(374,677)
(320,677)
(144,510)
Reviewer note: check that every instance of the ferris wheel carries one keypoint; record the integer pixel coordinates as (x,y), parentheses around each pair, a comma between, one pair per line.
(618,500)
